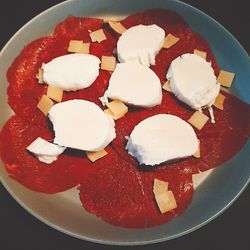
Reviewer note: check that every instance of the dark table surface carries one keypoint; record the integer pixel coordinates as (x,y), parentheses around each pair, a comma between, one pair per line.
(19,230)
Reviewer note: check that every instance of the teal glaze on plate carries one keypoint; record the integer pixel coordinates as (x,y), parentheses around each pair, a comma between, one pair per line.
(218,191)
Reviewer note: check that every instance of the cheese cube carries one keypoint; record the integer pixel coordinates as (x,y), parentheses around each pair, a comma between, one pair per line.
(45,104)
(114,117)
(85,48)
(162,201)
(164,198)
(200,53)
(198,120)
(76,46)
(171,201)
(219,101)
(108,63)
(170,40)
(197,154)
(110,19)
(225,78)
(166,86)
(98,36)
(117,108)
(54,93)
(94,156)
(39,76)
(117,27)
(160,186)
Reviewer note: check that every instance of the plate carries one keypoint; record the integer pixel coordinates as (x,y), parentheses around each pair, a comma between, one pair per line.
(217,190)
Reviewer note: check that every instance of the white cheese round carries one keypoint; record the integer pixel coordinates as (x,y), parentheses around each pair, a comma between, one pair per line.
(135,84)
(140,44)
(192,80)
(71,72)
(45,151)
(162,138)
(81,124)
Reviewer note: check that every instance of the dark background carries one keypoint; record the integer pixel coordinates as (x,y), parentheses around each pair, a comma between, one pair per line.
(19,230)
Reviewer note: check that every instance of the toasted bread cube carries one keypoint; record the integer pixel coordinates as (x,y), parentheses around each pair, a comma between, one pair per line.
(197,154)
(200,53)
(198,120)
(54,93)
(108,63)
(94,156)
(166,86)
(117,27)
(39,76)
(170,40)
(45,104)
(98,36)
(225,78)
(219,101)
(117,108)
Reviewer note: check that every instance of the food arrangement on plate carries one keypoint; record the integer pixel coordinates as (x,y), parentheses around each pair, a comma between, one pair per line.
(126,111)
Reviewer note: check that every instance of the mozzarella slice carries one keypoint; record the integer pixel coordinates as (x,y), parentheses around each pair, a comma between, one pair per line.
(135,84)
(45,151)
(162,138)
(71,72)
(81,124)
(193,82)
(140,44)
